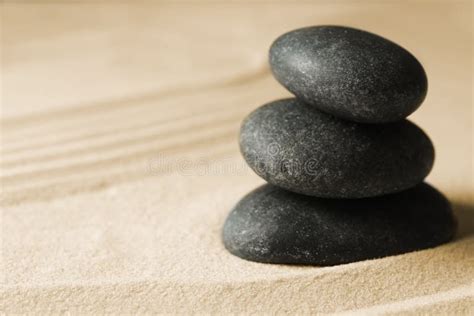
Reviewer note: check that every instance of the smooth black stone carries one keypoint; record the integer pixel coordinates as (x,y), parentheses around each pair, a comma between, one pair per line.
(349,73)
(277,226)
(294,146)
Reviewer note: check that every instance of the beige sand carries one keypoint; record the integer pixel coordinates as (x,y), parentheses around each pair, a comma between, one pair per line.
(120,161)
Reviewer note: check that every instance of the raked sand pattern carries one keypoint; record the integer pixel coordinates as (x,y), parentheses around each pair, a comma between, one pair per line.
(120,162)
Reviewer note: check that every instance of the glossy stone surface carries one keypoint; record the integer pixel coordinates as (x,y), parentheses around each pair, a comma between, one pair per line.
(352,74)
(277,226)
(294,146)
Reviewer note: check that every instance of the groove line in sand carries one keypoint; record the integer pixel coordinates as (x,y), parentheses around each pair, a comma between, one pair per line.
(61,189)
(118,143)
(87,134)
(109,162)
(410,304)
(122,102)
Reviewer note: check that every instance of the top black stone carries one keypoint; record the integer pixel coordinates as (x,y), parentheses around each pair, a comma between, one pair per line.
(350,73)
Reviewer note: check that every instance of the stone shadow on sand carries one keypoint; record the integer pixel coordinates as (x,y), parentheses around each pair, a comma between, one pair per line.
(464,213)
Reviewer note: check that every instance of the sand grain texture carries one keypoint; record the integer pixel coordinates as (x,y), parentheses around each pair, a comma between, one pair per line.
(119,158)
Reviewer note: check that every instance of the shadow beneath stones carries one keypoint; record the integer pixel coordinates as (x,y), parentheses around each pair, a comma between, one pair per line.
(465,215)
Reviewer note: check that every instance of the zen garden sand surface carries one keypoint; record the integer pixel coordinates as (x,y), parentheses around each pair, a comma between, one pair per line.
(120,158)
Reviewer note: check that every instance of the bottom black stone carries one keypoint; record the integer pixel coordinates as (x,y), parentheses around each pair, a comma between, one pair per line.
(277,226)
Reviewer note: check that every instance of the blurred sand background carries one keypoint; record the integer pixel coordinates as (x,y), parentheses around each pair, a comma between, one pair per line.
(119,157)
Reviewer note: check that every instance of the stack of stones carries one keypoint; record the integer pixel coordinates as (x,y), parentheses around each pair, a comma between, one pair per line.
(344,167)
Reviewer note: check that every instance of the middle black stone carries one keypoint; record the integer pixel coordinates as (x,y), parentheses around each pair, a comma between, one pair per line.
(296,147)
